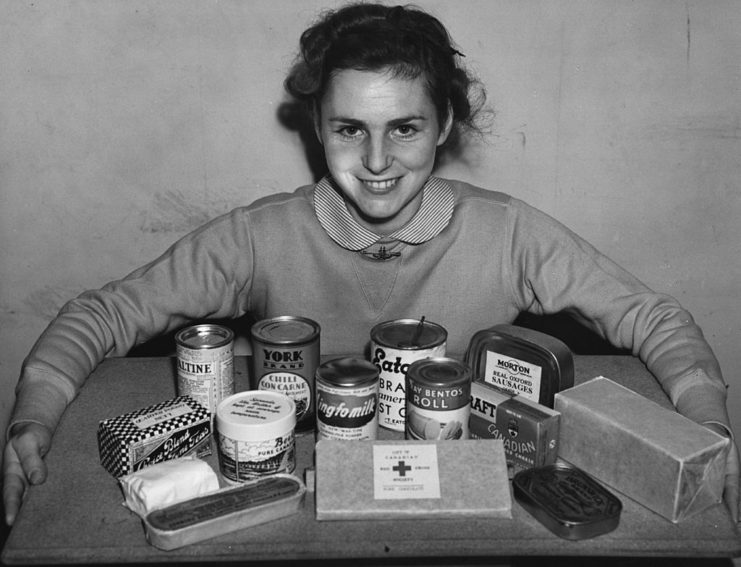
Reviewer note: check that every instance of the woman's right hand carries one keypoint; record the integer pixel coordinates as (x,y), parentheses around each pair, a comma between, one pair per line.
(23,464)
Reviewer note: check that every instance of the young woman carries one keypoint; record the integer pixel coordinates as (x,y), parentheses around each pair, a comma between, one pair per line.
(379,238)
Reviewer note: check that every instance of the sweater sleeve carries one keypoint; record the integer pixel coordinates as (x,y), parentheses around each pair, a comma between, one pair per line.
(206,274)
(554,271)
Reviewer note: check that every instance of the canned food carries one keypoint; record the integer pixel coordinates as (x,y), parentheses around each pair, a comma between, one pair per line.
(438,399)
(205,361)
(255,435)
(285,356)
(347,399)
(394,346)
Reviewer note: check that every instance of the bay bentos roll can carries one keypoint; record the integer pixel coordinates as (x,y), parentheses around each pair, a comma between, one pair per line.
(255,431)
(394,346)
(205,363)
(438,399)
(347,400)
(285,356)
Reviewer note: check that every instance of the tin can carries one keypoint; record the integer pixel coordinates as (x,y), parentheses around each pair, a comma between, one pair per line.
(394,346)
(438,399)
(205,361)
(255,435)
(347,400)
(285,356)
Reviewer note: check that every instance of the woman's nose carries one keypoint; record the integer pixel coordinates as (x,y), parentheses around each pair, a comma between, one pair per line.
(377,158)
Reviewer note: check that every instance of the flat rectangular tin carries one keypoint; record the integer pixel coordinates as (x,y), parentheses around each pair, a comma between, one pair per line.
(551,355)
(567,501)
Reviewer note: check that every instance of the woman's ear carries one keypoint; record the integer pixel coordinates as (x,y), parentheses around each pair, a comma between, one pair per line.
(447,127)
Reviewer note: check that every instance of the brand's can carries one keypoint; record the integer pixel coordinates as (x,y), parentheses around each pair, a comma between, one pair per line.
(285,356)
(347,399)
(205,360)
(255,435)
(438,399)
(394,346)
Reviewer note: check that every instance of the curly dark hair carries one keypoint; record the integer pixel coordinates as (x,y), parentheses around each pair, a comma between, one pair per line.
(404,39)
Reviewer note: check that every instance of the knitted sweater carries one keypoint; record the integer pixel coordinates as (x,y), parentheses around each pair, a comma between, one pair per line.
(497,257)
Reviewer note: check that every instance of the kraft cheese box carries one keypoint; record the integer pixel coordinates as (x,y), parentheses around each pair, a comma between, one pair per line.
(657,457)
(364,480)
(529,430)
(154,434)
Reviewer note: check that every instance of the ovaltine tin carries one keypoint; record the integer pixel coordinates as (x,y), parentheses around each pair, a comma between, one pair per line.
(522,361)
(438,399)
(394,346)
(205,359)
(347,399)
(567,501)
(285,356)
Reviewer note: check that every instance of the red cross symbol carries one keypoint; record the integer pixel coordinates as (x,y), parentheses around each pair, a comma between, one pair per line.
(402,468)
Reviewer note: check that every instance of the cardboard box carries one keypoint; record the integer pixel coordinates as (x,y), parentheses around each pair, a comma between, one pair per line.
(153,434)
(528,430)
(363,480)
(657,457)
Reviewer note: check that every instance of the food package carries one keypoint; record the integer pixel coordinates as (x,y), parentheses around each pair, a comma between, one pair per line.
(657,457)
(154,434)
(528,430)
(167,483)
(364,480)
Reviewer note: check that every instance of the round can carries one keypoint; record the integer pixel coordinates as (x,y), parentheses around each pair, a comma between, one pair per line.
(205,361)
(394,346)
(347,399)
(285,356)
(255,431)
(438,399)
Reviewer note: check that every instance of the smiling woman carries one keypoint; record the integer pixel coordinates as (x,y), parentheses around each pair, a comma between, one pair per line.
(379,238)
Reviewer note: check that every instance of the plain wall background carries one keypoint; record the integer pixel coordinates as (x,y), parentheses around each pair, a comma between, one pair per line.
(125,124)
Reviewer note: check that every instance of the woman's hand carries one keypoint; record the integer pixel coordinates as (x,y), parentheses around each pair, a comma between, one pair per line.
(731,489)
(23,464)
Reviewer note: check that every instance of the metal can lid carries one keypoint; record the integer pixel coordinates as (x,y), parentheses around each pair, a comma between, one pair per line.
(439,371)
(412,334)
(255,415)
(285,330)
(204,336)
(567,501)
(348,372)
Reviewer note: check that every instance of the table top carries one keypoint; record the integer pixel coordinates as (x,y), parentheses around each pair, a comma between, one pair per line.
(78,516)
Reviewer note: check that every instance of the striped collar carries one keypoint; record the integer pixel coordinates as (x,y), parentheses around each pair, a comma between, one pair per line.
(433,216)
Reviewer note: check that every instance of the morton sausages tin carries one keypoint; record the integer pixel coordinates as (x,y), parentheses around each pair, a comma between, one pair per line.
(438,399)
(285,356)
(394,346)
(255,435)
(347,399)
(205,360)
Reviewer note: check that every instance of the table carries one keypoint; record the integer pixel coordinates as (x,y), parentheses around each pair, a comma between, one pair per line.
(77,516)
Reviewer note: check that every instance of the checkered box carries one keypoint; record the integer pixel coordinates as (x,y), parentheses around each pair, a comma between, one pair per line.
(157,433)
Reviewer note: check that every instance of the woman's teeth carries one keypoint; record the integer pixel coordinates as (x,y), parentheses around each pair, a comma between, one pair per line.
(380,185)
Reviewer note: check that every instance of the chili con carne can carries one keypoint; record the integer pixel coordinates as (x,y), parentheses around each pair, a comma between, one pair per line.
(347,400)
(205,363)
(394,346)
(285,356)
(438,399)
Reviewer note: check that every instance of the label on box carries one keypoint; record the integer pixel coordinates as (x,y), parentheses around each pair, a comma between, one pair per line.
(406,471)
(513,375)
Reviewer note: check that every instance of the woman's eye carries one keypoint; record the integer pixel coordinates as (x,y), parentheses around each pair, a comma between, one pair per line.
(350,131)
(405,130)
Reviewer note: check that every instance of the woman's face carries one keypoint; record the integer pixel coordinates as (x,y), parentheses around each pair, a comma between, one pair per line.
(380,135)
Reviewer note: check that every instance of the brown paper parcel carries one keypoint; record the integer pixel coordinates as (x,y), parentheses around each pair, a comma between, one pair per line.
(653,455)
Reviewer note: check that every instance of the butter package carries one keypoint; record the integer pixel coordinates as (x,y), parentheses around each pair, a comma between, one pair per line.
(529,431)
(154,434)
(364,480)
(522,361)
(657,457)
